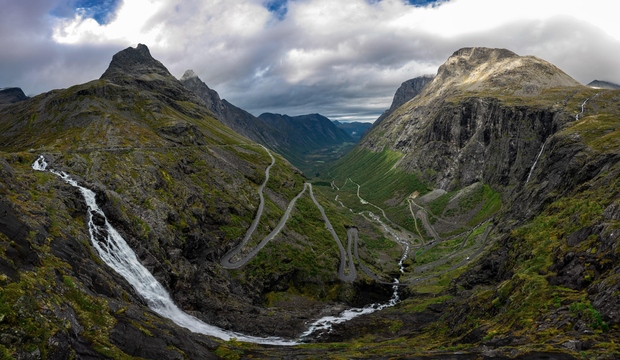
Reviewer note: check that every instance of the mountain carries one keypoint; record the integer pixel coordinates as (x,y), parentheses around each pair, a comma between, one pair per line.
(235,118)
(181,189)
(306,141)
(513,148)
(604,85)
(481,216)
(307,131)
(354,128)
(11,95)
(470,146)
(407,91)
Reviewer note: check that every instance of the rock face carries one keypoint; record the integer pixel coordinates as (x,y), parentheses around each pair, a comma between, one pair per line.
(459,129)
(407,91)
(11,95)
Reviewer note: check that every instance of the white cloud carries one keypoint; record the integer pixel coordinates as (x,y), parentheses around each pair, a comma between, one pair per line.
(340,58)
(130,25)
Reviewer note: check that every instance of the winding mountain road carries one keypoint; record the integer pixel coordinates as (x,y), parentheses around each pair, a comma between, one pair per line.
(345,273)
(347,269)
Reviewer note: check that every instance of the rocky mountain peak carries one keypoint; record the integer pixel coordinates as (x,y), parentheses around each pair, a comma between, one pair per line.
(189,74)
(481,54)
(407,91)
(11,95)
(601,84)
(135,62)
(207,96)
(485,69)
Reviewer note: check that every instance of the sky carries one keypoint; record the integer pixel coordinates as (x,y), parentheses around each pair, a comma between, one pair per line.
(341,58)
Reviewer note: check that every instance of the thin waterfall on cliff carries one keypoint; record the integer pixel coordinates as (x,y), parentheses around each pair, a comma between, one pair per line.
(535,161)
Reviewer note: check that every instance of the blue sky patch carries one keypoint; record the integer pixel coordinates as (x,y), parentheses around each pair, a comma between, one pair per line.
(418,3)
(277,7)
(424,2)
(101,11)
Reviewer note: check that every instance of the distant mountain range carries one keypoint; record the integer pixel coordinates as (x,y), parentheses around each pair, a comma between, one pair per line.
(295,137)
(307,132)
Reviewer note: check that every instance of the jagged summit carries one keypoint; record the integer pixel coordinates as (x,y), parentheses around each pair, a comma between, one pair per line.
(407,91)
(207,96)
(135,62)
(487,69)
(189,74)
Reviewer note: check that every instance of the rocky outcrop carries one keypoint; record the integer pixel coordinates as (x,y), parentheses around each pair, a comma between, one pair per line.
(407,91)
(11,95)
(135,63)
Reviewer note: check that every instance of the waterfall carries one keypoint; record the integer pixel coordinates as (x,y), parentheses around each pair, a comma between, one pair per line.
(535,161)
(117,254)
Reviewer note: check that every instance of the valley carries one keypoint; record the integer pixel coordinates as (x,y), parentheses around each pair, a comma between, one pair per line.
(480,214)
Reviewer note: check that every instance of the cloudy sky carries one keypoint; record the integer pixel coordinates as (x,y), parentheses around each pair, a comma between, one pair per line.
(341,58)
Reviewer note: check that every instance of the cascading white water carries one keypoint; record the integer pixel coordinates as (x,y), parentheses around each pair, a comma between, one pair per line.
(534,164)
(325,324)
(117,254)
(397,238)
(583,108)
